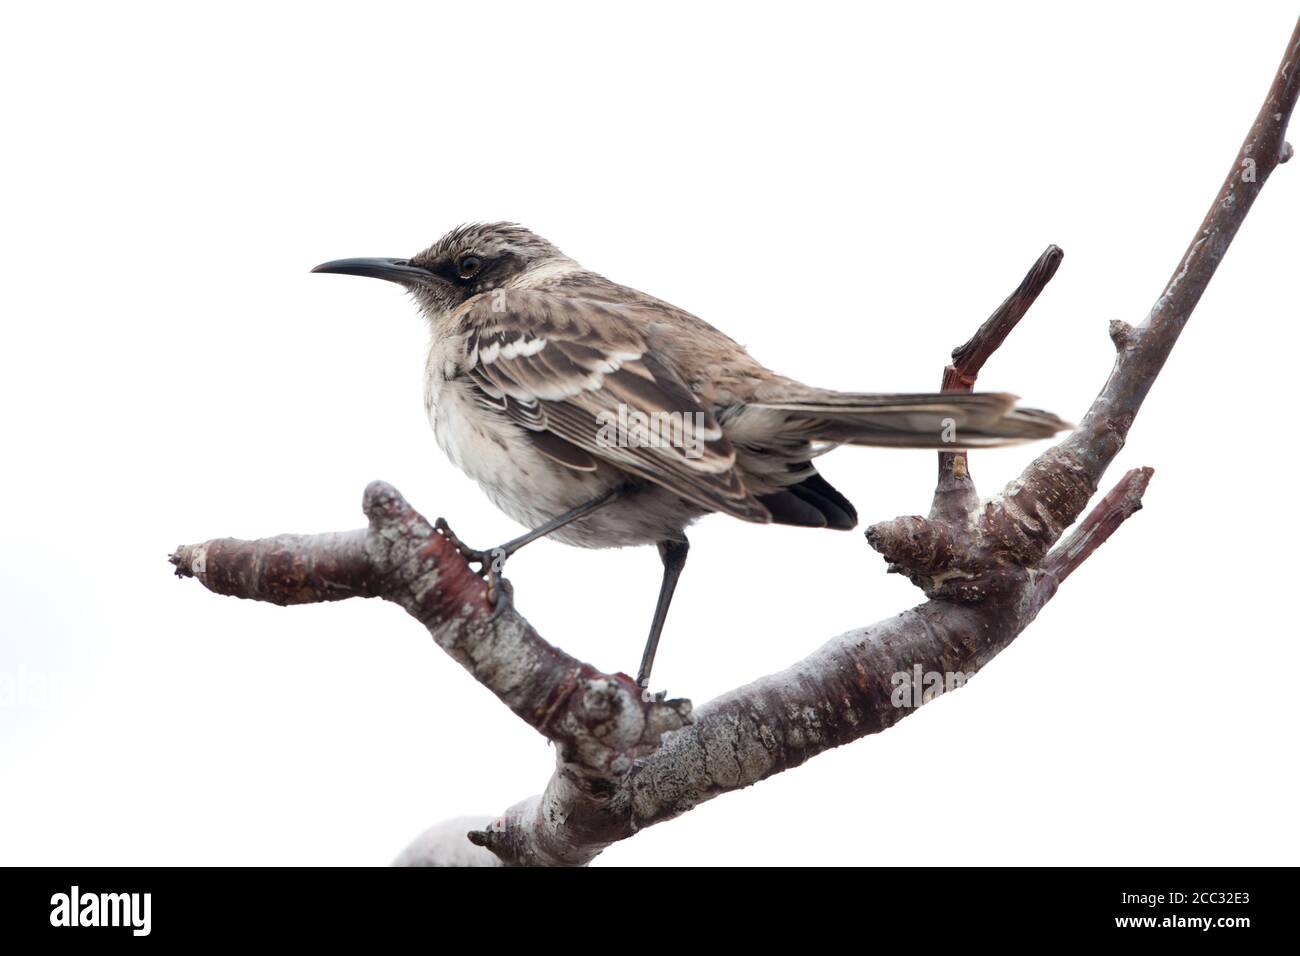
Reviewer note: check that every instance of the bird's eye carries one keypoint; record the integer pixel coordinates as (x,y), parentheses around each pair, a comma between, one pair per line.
(469,266)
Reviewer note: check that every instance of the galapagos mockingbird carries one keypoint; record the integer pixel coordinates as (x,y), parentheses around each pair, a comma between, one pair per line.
(603,417)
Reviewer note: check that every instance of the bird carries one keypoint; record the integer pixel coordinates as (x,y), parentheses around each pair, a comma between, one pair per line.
(603,417)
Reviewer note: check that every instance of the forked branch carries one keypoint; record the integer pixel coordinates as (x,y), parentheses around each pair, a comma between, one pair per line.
(623,762)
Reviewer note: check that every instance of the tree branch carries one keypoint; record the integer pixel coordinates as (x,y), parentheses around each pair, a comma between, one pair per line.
(623,762)
(955,497)
(969,359)
(1114,509)
(599,722)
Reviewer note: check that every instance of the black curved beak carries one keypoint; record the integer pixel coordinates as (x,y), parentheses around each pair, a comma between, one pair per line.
(394,270)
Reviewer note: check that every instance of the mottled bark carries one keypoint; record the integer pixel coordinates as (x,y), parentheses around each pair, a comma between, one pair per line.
(625,762)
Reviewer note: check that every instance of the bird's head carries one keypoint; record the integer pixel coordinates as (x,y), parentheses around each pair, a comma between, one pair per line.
(466,262)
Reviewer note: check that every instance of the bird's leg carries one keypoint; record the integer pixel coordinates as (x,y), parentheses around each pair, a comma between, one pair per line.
(673,554)
(492,561)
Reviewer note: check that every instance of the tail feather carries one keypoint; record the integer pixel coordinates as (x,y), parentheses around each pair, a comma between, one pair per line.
(788,508)
(818,492)
(931,420)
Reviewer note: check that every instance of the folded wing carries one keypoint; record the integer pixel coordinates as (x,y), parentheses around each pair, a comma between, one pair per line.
(578,376)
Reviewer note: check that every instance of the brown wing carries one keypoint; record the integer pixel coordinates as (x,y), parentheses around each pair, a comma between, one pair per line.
(576,373)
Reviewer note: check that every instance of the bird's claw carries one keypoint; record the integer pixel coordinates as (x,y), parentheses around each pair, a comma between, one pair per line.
(490,563)
(500,594)
(466,552)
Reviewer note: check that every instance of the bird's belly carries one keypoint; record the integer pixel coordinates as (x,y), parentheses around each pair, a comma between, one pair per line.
(532,489)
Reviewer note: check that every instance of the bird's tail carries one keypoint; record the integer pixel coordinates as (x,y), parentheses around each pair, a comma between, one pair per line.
(935,420)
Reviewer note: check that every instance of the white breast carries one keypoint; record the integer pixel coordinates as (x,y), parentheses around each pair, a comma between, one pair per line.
(500,457)
(520,480)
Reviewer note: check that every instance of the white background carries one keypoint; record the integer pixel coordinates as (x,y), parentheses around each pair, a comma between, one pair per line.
(848,191)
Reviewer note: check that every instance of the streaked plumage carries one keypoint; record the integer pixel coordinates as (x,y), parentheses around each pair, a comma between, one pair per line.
(531,354)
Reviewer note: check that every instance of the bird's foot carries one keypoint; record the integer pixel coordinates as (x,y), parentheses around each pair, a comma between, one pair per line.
(649,696)
(490,563)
